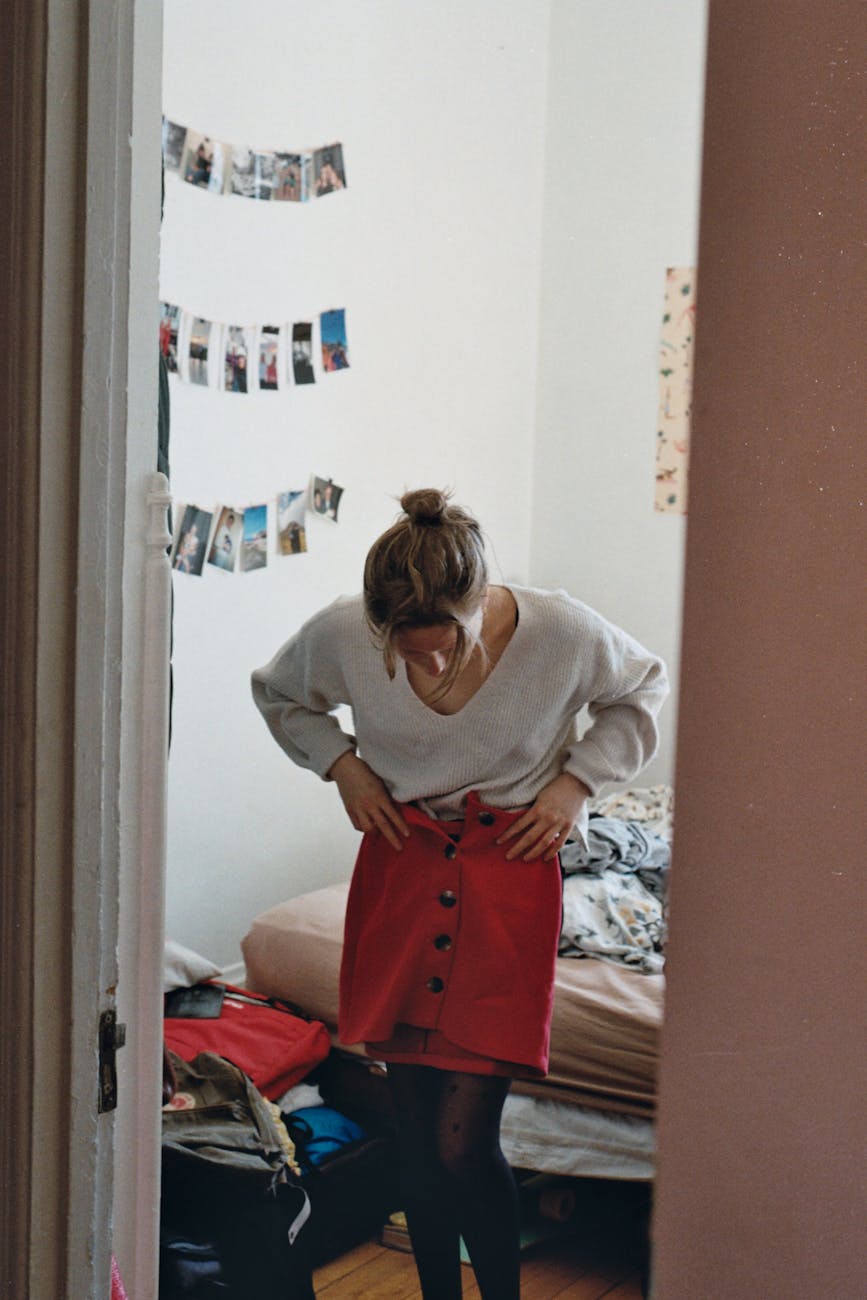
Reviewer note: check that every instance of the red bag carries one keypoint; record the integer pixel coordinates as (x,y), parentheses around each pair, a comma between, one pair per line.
(261,1035)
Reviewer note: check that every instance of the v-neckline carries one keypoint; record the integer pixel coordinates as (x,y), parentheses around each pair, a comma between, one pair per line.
(404,676)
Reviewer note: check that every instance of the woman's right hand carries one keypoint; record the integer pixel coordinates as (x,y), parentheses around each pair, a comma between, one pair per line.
(366,800)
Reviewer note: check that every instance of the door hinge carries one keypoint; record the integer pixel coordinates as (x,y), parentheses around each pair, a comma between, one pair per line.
(111,1036)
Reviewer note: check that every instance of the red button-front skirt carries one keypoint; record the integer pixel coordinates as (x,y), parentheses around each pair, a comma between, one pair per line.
(447,934)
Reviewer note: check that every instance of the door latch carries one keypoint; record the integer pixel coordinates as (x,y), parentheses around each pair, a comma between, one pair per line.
(111,1036)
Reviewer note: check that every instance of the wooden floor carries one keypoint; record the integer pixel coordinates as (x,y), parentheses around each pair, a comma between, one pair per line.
(600,1255)
(562,1271)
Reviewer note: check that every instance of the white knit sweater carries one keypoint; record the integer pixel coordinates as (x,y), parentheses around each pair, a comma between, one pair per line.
(516,734)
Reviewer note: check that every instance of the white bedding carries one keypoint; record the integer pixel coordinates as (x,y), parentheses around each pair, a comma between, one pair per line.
(555,1137)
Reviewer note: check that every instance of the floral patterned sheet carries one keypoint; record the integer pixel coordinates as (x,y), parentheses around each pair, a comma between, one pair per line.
(615,889)
(652,806)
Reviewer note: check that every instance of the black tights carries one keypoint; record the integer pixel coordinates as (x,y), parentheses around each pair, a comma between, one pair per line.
(456,1180)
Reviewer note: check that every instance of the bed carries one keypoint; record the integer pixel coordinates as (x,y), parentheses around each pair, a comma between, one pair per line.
(593,1115)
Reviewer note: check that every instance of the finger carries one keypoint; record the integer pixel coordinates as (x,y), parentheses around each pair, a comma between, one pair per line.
(384,826)
(538,848)
(534,816)
(534,835)
(372,819)
(557,845)
(392,811)
(536,841)
(516,827)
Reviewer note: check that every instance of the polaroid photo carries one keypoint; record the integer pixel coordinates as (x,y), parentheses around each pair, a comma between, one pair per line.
(254,545)
(200,341)
(174,140)
(265,163)
(306,176)
(236,359)
(329,170)
(325,497)
(252,173)
(302,353)
(221,170)
(243,172)
(204,162)
(184,330)
(198,159)
(291,521)
(290,183)
(226,541)
(191,540)
(269,347)
(332,334)
(170,320)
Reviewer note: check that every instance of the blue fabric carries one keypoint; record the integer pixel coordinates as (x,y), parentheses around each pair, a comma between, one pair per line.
(319,1131)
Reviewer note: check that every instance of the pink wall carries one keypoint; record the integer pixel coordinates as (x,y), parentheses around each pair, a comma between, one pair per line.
(762,1083)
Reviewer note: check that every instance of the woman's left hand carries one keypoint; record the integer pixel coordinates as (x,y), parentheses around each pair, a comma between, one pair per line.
(543,829)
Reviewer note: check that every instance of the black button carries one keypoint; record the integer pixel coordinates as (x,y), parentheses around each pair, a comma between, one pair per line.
(487,818)
(448,898)
(435,984)
(443,942)
(450,851)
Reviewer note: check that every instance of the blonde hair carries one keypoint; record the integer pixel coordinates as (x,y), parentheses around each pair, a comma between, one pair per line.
(429,568)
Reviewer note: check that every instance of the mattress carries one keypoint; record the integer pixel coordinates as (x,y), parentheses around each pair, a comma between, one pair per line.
(605,1027)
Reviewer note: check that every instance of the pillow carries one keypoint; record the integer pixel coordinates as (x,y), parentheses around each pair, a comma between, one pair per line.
(182,967)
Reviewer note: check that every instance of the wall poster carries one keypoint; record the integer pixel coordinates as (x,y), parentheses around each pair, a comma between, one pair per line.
(676,349)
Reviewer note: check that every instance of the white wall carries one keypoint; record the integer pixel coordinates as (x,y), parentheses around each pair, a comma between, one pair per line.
(623,147)
(465,126)
(434,251)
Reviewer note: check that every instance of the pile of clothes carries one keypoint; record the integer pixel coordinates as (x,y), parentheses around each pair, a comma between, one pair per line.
(261,1179)
(615,887)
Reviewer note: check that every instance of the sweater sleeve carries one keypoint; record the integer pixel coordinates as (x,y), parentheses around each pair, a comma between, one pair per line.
(297,692)
(627,687)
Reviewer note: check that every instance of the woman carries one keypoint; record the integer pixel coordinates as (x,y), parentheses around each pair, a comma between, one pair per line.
(466,775)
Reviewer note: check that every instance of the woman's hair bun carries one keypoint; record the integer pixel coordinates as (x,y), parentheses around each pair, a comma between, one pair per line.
(425,506)
(428,568)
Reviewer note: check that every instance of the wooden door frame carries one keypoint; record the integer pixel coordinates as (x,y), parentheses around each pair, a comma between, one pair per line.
(80,82)
(761,1081)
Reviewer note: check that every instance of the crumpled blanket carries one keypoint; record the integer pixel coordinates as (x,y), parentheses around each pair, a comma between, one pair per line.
(615,889)
(621,846)
(613,917)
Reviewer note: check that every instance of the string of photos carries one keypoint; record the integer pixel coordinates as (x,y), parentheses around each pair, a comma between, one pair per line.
(247,358)
(265,174)
(236,540)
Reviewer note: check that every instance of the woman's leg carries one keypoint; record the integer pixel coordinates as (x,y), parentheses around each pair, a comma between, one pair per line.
(483,1188)
(456,1179)
(428,1200)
